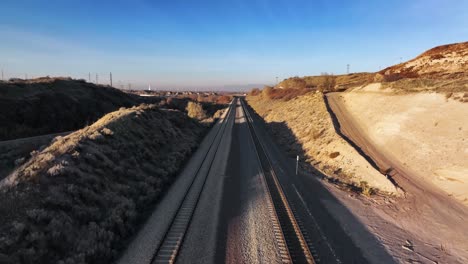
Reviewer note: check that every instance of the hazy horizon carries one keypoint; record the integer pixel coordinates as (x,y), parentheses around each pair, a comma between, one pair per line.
(210,45)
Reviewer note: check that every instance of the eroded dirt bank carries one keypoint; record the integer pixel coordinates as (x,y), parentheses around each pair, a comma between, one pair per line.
(401,133)
(424,132)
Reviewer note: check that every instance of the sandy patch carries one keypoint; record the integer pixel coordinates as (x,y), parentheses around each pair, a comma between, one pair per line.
(424,131)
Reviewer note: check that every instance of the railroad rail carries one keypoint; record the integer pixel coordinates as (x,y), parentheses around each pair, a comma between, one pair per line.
(292,240)
(170,246)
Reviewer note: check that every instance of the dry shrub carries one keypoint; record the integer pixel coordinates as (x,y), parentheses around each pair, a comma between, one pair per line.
(195,110)
(294,83)
(254,92)
(328,83)
(193,97)
(366,189)
(224,99)
(283,94)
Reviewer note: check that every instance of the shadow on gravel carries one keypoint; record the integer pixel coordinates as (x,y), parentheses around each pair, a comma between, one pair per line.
(326,221)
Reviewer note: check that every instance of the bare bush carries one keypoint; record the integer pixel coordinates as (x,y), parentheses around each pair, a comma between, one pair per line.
(328,83)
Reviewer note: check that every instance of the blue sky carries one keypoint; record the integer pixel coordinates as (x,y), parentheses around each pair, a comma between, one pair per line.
(209,44)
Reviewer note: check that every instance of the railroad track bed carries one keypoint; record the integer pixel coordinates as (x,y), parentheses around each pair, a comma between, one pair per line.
(292,240)
(173,239)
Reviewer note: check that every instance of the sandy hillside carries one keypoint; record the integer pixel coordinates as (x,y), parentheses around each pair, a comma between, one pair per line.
(425,131)
(306,117)
(446,61)
(80,199)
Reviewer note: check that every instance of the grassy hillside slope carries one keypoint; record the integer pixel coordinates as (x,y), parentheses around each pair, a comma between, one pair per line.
(53,105)
(80,198)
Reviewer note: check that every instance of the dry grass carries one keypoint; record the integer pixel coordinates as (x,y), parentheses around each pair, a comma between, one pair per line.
(283,94)
(78,200)
(411,85)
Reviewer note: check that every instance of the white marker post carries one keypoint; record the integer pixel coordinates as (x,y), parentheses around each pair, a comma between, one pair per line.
(297,164)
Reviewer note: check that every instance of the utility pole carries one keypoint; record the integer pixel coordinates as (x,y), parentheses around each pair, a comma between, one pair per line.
(276,80)
(129,86)
(26,76)
(97,79)
(89,77)
(401,59)
(111,79)
(2,74)
(347,68)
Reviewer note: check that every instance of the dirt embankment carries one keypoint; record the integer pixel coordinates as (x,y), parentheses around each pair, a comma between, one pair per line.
(422,139)
(304,125)
(79,199)
(53,105)
(424,132)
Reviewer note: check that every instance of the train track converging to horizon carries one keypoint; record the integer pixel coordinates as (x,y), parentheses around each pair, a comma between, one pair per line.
(292,240)
(170,246)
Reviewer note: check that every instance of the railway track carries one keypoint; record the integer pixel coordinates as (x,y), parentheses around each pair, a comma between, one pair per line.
(292,240)
(170,246)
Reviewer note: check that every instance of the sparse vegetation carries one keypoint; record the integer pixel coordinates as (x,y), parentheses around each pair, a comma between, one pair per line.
(328,83)
(334,154)
(80,199)
(281,94)
(293,83)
